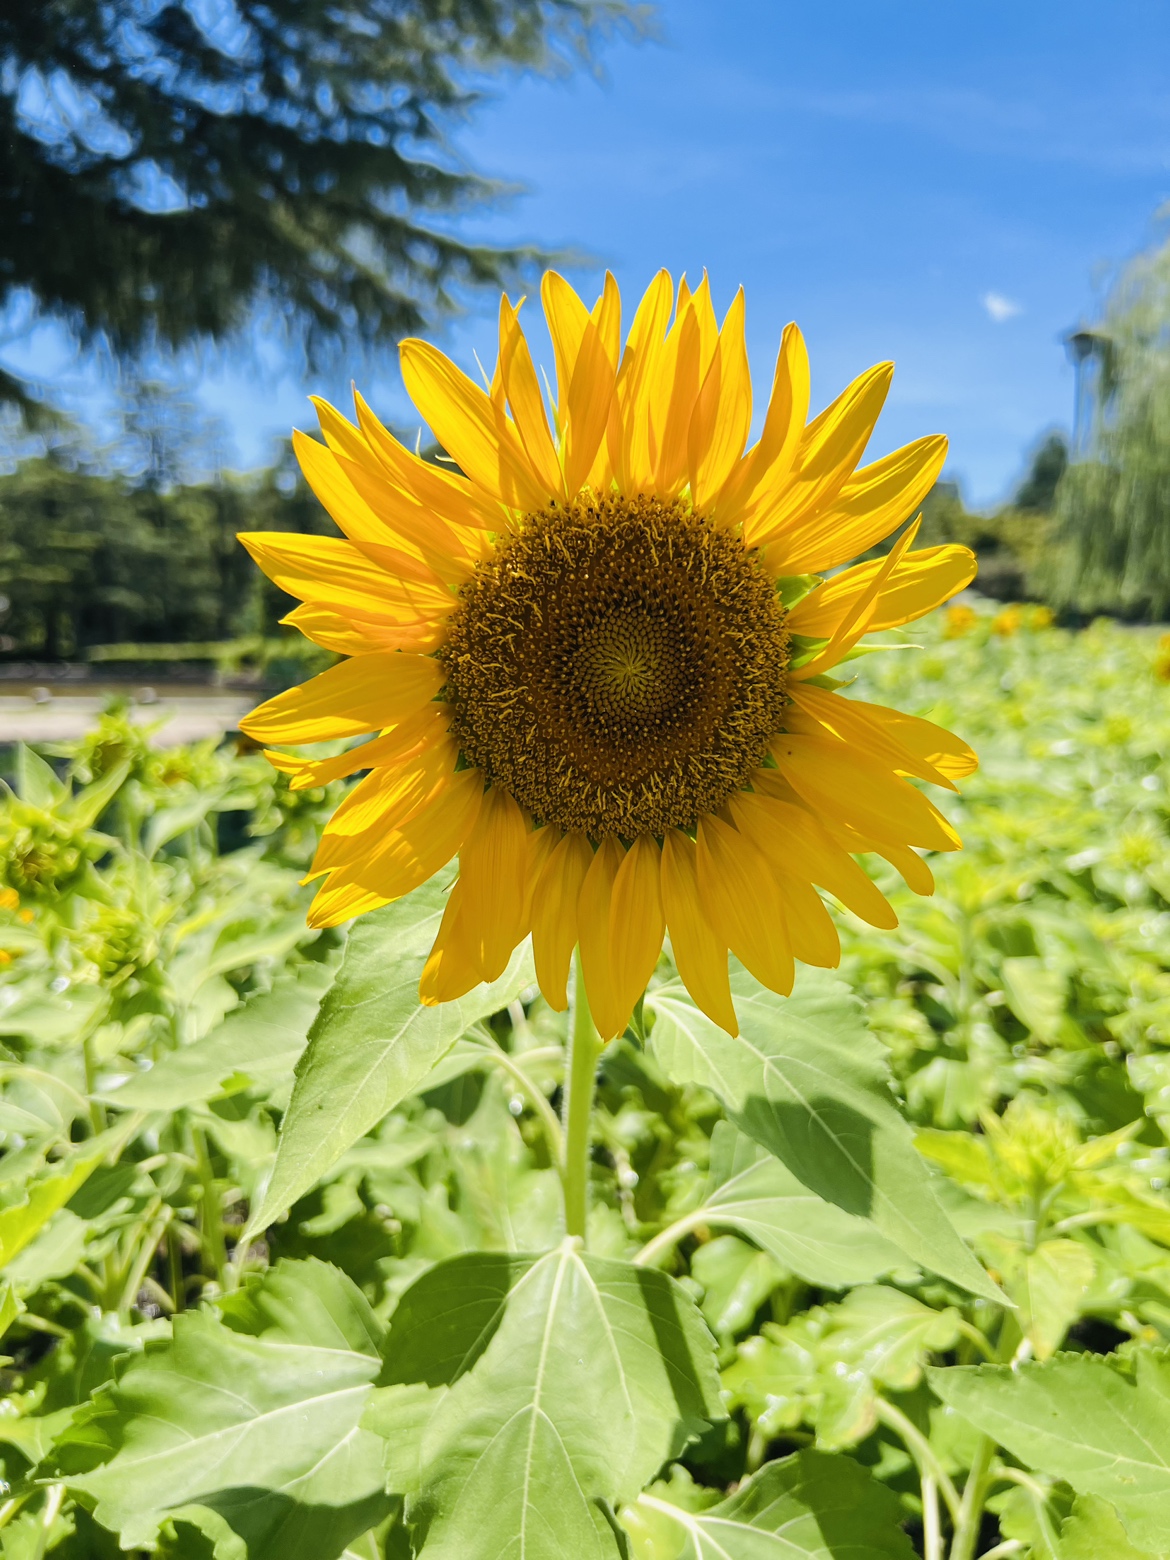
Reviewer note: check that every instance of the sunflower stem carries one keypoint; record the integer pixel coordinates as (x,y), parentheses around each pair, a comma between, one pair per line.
(580,1071)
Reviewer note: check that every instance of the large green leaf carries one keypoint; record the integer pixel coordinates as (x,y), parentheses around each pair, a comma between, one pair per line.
(258,1043)
(1092,1531)
(240,1429)
(805,1078)
(573,1379)
(812,1504)
(753,1193)
(1101,1424)
(372,1043)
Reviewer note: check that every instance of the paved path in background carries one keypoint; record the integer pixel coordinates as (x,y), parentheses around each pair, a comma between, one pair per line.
(59,715)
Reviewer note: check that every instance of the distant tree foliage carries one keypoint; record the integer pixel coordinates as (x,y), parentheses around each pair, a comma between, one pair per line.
(90,559)
(165,167)
(1112,549)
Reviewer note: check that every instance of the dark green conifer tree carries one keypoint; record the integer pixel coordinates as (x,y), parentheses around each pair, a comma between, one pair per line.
(166,166)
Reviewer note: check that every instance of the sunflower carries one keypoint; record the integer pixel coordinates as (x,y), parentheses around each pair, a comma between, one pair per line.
(597,651)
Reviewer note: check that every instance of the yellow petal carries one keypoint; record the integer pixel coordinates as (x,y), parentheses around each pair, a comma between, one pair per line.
(541,844)
(636,922)
(330,481)
(699,956)
(790,836)
(445,493)
(554,916)
(406,741)
(852,722)
(678,390)
(593,921)
(944,751)
(387,797)
(922,581)
(829,450)
(874,502)
(336,575)
(408,855)
(522,389)
(629,432)
(365,694)
(858,616)
(741,900)
(566,317)
(340,900)
(334,631)
(469,427)
(493,868)
(722,414)
(810,926)
(765,468)
(452,968)
(837,781)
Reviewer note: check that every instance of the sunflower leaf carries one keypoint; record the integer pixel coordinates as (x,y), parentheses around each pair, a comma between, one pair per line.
(372,1043)
(1100,1424)
(753,1193)
(807,1080)
(243,1432)
(813,1503)
(594,1373)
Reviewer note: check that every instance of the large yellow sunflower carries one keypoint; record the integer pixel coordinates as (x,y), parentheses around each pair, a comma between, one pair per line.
(598,657)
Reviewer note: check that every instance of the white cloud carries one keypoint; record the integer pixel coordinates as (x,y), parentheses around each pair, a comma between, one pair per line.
(1000,308)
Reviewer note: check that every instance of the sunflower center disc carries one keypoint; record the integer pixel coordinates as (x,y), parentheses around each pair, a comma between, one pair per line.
(618,666)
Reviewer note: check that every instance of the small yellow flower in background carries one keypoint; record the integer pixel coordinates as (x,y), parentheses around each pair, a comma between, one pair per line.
(598,670)
(1009,621)
(5,957)
(959,621)
(1040,618)
(1162,659)
(9,899)
(27,916)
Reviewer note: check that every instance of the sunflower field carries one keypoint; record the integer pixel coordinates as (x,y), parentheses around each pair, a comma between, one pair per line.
(281,1248)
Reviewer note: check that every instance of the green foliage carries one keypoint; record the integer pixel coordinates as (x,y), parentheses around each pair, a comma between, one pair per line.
(285,1267)
(166,169)
(1111,550)
(90,559)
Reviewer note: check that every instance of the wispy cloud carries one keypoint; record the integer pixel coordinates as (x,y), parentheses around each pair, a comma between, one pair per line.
(1000,308)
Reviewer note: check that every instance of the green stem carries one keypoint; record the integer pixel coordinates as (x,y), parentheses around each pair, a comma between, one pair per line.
(971,1506)
(580,1071)
(536,1098)
(665,1241)
(922,1452)
(210,1212)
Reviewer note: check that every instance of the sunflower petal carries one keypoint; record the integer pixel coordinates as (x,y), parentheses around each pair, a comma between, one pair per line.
(452,968)
(443,492)
(554,916)
(765,467)
(829,450)
(338,576)
(874,502)
(406,741)
(636,922)
(469,427)
(365,694)
(788,834)
(852,722)
(629,431)
(522,389)
(836,780)
(408,855)
(922,581)
(722,415)
(493,868)
(699,956)
(593,923)
(334,631)
(741,900)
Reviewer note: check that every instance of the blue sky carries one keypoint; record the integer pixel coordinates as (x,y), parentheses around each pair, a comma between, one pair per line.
(946,184)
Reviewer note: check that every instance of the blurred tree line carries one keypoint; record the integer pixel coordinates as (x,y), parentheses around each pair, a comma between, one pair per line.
(89,558)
